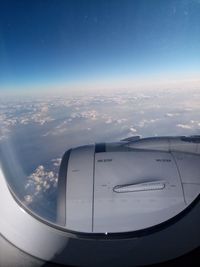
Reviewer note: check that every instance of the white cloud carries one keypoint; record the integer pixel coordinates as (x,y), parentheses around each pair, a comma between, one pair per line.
(144,122)
(28,199)
(188,109)
(56,162)
(119,121)
(172,114)
(133,130)
(22,114)
(195,123)
(184,126)
(40,181)
(109,120)
(88,114)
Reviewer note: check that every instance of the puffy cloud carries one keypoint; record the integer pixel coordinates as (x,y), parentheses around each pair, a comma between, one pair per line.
(40,181)
(119,121)
(119,100)
(196,123)
(88,114)
(40,116)
(133,130)
(22,114)
(109,120)
(28,199)
(188,109)
(172,114)
(184,126)
(144,122)
(6,124)
(56,162)
(91,111)
(191,125)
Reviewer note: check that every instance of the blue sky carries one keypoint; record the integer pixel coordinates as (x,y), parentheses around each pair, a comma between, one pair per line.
(52,44)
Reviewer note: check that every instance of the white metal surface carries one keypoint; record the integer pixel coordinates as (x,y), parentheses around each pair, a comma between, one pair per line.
(131,211)
(46,242)
(123,191)
(79,189)
(189,167)
(166,144)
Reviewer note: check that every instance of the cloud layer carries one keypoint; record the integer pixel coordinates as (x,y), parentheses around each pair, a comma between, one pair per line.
(40,182)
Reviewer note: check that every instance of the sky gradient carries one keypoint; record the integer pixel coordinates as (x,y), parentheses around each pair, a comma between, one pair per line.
(73,44)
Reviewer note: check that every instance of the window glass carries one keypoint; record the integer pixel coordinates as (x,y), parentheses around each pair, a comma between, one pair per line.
(82,72)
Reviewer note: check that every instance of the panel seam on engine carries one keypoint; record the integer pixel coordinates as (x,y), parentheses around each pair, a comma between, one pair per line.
(179,173)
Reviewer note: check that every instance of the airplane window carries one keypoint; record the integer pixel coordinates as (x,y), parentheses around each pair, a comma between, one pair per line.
(75,73)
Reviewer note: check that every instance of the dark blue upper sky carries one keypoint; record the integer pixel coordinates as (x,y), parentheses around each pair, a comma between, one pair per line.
(57,43)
